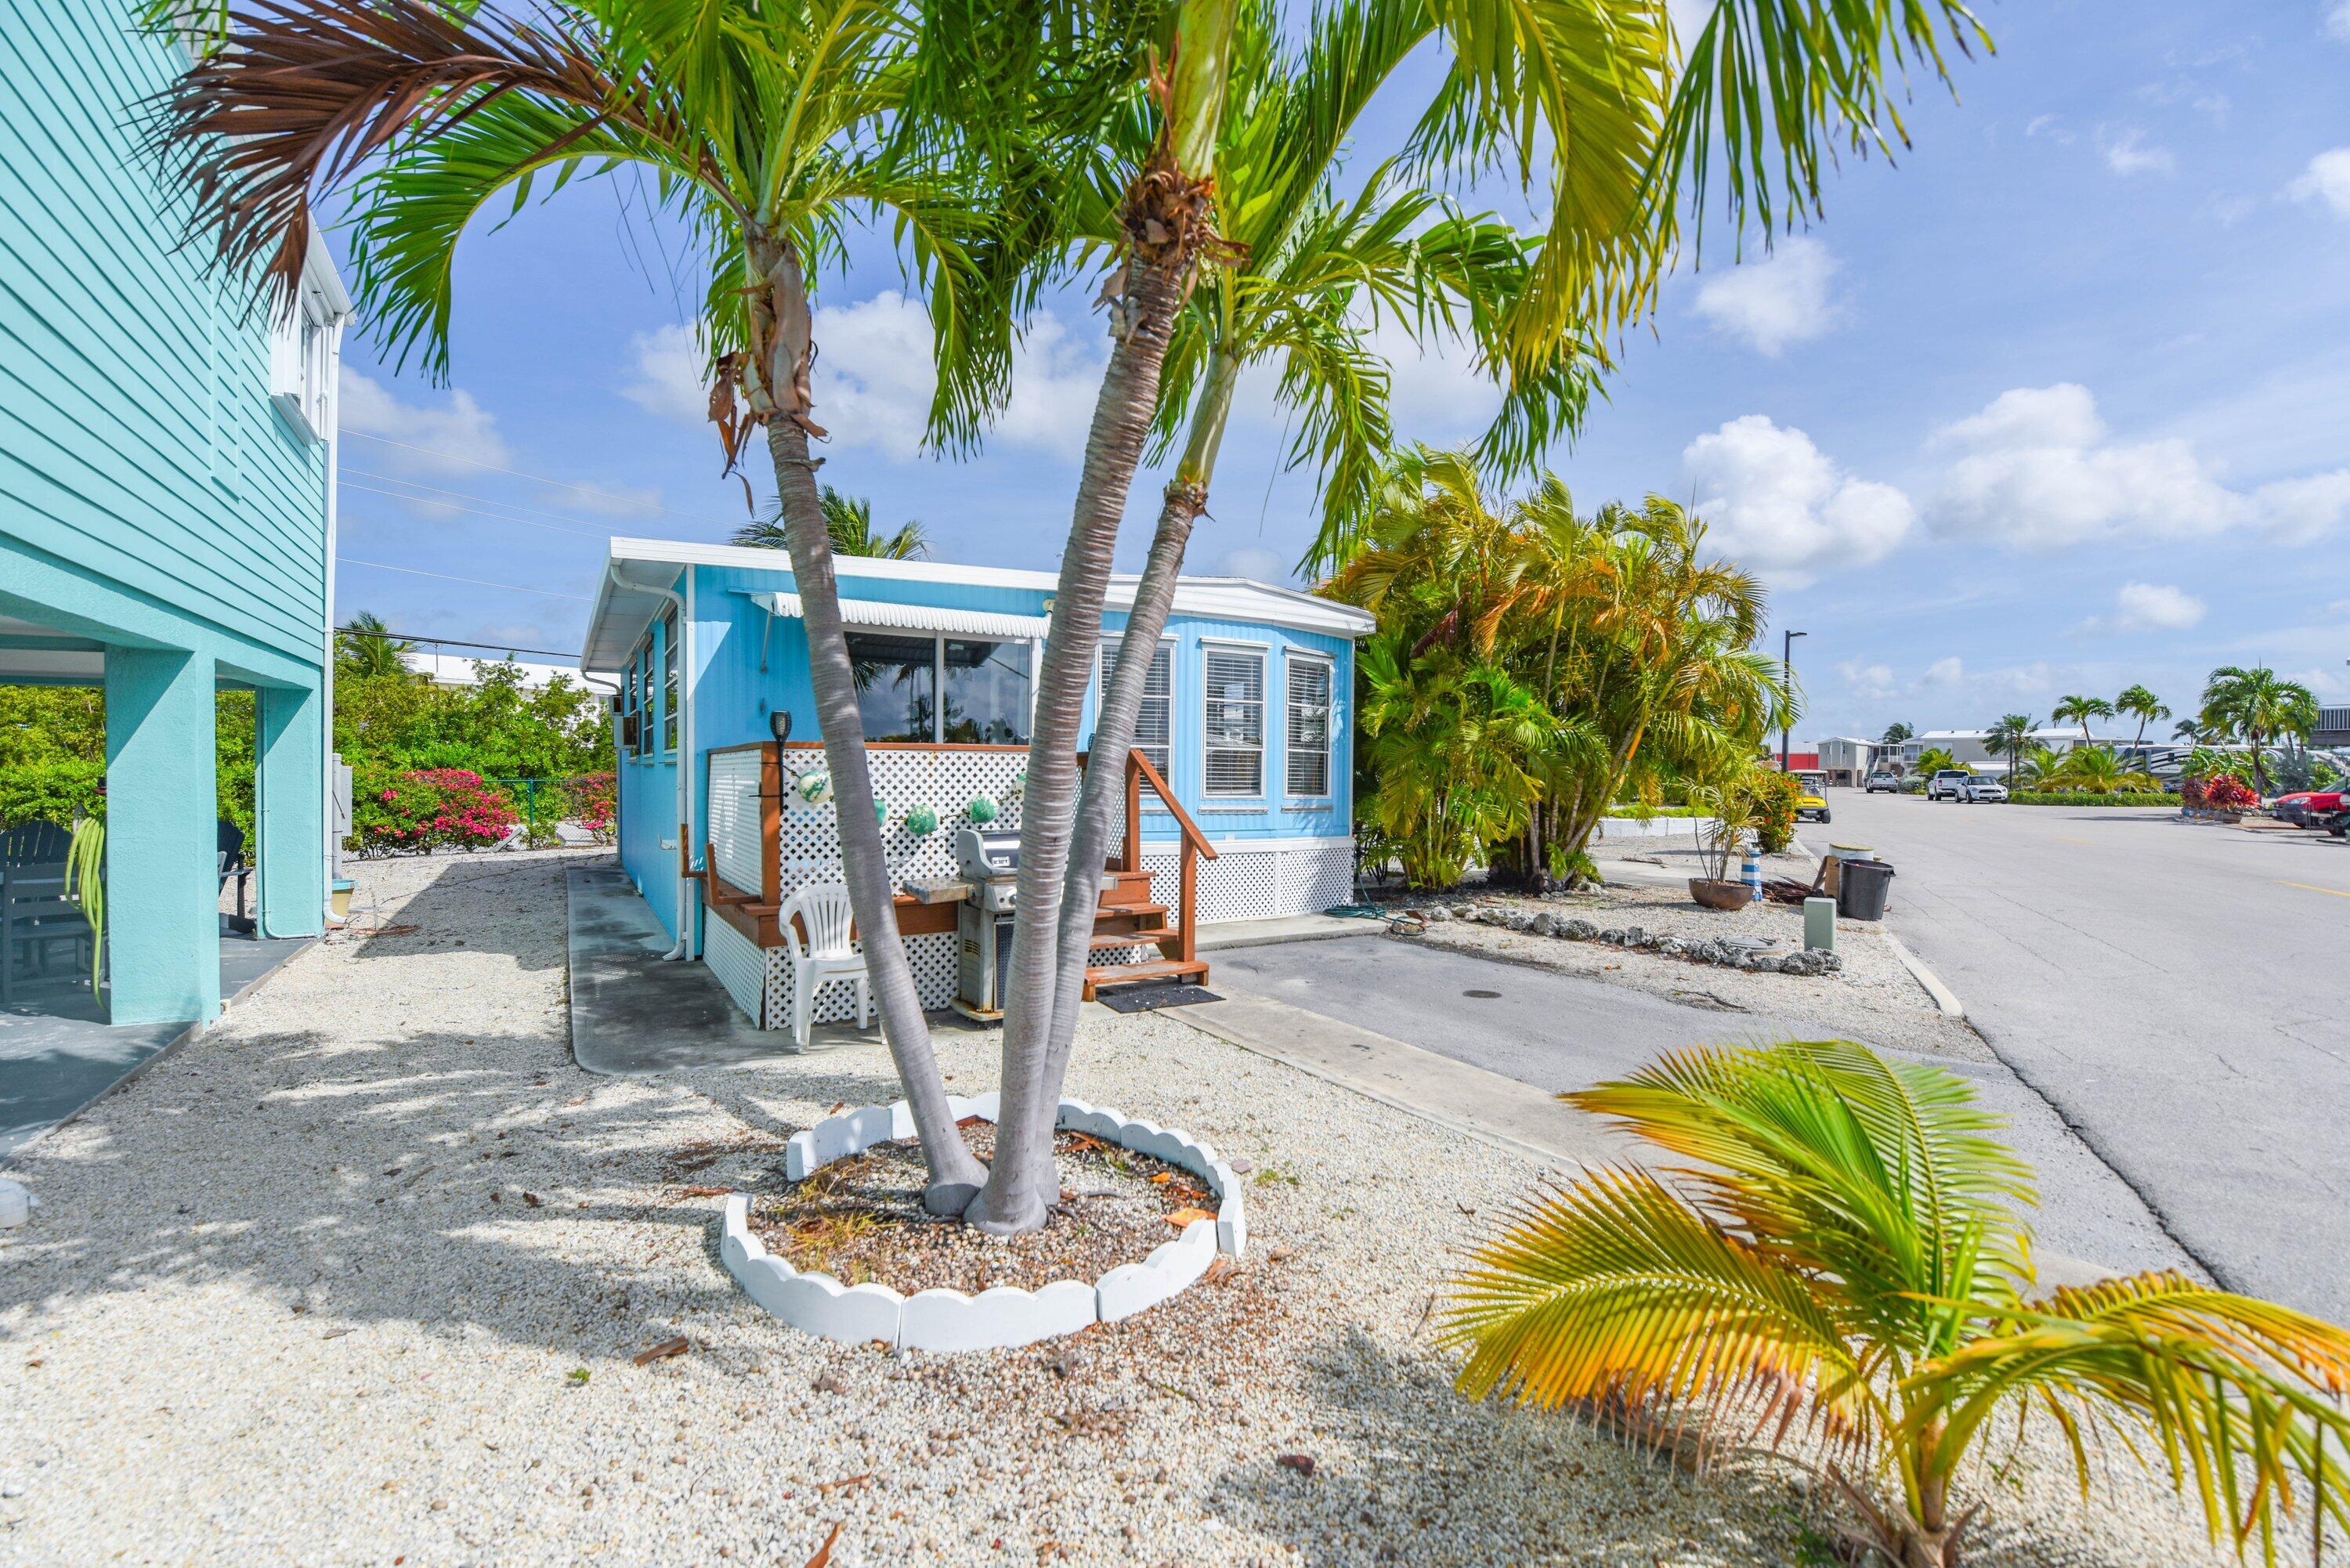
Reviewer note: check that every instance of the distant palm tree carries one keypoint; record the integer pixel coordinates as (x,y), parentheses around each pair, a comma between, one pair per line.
(849,520)
(1894,733)
(2144,707)
(365,648)
(2256,706)
(2081,710)
(2189,731)
(2011,734)
(2041,765)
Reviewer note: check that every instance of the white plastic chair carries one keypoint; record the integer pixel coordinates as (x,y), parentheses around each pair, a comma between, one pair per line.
(822,909)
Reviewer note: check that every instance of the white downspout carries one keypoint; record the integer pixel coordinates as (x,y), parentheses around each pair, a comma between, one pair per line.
(333,848)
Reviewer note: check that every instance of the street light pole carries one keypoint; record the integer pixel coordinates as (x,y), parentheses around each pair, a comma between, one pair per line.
(1787,673)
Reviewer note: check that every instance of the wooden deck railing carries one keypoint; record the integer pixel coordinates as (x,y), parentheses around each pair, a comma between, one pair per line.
(1139,772)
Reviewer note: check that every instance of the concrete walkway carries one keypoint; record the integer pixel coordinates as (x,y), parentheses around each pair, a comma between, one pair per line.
(57,1053)
(634,1013)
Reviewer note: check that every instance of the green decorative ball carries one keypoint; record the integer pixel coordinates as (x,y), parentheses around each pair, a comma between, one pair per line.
(814,786)
(982,810)
(881,810)
(921,821)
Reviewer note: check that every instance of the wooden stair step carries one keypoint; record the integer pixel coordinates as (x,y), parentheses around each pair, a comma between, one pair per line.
(1133,973)
(1157,912)
(1123,888)
(1106,942)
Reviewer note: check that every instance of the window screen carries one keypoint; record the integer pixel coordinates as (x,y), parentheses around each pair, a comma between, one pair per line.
(669,682)
(1234,726)
(1309,727)
(1154,721)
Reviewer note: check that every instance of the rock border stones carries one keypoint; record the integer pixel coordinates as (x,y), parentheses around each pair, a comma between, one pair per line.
(1003,1317)
(1747,953)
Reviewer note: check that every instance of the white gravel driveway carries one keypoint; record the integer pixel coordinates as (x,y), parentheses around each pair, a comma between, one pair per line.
(358,1277)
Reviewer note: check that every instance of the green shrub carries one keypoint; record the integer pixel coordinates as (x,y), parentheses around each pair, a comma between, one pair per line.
(1638,813)
(54,789)
(2089,797)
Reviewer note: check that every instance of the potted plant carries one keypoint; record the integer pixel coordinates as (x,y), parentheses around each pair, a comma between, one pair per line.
(1730,816)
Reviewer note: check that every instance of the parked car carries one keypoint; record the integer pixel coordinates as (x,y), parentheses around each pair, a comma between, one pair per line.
(1950,783)
(2311,808)
(1978,789)
(1883,781)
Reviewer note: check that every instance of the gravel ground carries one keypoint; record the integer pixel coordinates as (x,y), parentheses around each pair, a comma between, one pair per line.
(1874,999)
(358,1277)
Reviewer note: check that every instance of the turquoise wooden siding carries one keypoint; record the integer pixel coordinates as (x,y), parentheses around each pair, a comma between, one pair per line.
(138,442)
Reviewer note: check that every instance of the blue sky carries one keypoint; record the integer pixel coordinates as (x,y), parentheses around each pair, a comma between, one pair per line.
(2061,402)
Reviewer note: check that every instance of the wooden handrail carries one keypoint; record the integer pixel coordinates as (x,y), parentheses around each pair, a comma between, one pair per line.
(1137,764)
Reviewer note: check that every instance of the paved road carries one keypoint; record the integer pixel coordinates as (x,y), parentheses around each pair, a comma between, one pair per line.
(2176,992)
(1564,1032)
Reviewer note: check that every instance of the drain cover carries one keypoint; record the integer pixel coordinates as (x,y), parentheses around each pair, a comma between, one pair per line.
(1482,995)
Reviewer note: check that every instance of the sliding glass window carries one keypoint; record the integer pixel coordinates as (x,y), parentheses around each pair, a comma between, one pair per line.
(896,684)
(926,689)
(986,693)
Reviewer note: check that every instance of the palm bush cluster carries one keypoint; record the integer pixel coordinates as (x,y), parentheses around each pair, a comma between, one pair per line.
(1533,664)
(1847,1257)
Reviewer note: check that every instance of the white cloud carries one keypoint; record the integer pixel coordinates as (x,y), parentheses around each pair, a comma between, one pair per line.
(2147,607)
(627,500)
(1436,392)
(2130,153)
(874,377)
(2337,22)
(2326,181)
(1870,683)
(2036,469)
(1253,561)
(1781,506)
(2049,126)
(669,378)
(1780,299)
(459,438)
(1947,672)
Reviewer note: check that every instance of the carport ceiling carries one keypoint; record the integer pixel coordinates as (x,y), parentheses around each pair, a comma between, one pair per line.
(31,652)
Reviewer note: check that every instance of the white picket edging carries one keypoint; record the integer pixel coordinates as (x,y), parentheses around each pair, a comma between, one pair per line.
(1003,1317)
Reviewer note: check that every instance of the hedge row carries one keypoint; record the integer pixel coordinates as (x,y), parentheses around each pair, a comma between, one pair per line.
(2088,797)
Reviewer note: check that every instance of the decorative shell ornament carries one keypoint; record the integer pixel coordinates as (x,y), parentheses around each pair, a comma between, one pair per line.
(982,810)
(814,786)
(922,821)
(881,810)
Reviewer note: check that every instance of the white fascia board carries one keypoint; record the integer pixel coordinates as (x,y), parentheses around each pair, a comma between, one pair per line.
(1230,598)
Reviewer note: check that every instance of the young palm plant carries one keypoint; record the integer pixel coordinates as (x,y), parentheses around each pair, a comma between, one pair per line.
(2012,734)
(1849,1254)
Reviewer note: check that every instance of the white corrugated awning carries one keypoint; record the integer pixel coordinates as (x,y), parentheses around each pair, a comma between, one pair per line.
(918,618)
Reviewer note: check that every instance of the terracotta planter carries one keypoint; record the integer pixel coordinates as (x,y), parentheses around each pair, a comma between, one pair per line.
(1724,894)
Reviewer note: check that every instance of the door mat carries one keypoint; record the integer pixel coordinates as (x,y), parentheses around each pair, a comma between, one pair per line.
(1151,998)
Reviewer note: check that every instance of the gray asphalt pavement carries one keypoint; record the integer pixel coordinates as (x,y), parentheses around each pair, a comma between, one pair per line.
(1565,1032)
(2175,990)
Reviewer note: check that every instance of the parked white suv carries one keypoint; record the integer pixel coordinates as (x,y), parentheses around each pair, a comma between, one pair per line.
(1979,789)
(1950,783)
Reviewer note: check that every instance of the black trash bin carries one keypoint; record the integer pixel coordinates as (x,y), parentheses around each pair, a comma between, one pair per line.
(1860,892)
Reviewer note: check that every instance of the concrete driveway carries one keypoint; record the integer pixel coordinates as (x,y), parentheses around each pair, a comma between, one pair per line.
(2175,990)
(1566,1032)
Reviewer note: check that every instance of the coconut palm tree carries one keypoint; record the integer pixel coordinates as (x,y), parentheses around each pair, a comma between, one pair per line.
(1851,1250)
(2098,772)
(2011,734)
(1894,733)
(367,649)
(2257,707)
(2081,710)
(767,129)
(2143,706)
(849,523)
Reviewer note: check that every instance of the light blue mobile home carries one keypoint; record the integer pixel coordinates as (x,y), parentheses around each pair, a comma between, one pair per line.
(165,513)
(1247,718)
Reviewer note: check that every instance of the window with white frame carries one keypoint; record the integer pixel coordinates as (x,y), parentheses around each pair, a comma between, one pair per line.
(1154,721)
(669,682)
(1232,743)
(1307,683)
(301,358)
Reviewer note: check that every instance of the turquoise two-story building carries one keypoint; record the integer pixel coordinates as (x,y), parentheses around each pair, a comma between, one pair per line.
(166,499)
(1245,720)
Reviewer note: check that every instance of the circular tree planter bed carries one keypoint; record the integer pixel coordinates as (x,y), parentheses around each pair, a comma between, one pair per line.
(1002,1316)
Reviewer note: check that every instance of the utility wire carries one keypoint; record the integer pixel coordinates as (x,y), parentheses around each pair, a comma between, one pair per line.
(476,582)
(391,635)
(434,490)
(533,478)
(478,512)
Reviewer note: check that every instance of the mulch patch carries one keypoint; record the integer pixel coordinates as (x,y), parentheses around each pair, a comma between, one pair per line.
(861,1218)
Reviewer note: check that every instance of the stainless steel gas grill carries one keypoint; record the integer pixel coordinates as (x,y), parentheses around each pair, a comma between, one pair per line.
(990,866)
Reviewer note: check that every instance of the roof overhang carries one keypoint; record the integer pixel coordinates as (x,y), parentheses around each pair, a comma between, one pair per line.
(632,593)
(919,617)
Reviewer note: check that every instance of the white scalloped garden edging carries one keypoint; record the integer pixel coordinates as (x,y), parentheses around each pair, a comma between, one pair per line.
(996,1319)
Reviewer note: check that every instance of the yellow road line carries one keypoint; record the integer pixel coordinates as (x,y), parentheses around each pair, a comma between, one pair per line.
(2313,888)
(2062,839)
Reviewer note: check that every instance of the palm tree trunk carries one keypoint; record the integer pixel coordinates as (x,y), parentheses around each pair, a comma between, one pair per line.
(1019,1185)
(954,1173)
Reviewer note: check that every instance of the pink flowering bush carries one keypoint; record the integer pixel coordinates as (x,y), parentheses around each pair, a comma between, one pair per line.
(598,801)
(425,809)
